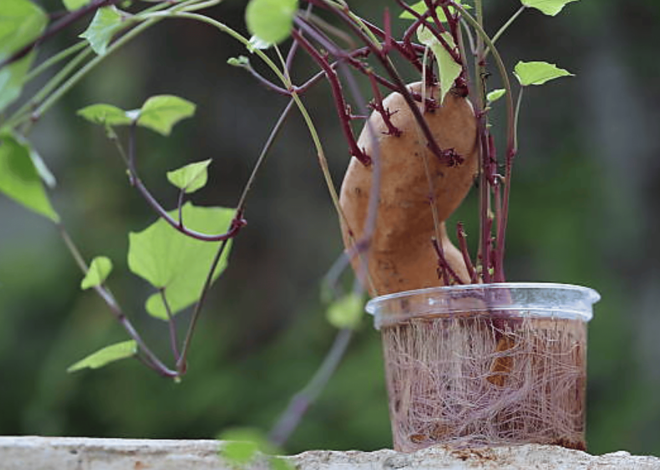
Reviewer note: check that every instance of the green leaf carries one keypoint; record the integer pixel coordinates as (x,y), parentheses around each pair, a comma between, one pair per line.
(191,177)
(271,20)
(19,179)
(548,7)
(420,7)
(240,451)
(106,23)
(448,68)
(346,312)
(241,445)
(537,73)
(240,61)
(21,22)
(175,262)
(495,95)
(160,113)
(72,5)
(278,463)
(105,356)
(105,114)
(97,273)
(12,80)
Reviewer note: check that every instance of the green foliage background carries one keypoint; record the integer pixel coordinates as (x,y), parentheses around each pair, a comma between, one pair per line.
(584,211)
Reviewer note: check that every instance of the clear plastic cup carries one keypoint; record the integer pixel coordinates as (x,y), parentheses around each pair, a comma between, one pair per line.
(486,364)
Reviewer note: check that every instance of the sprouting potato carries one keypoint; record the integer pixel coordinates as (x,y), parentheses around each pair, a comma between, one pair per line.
(401,255)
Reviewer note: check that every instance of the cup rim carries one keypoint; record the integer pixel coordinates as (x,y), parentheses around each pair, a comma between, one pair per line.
(590,296)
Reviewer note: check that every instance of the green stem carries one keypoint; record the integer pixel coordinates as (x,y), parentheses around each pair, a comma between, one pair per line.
(484,192)
(302,400)
(109,299)
(285,81)
(323,161)
(500,66)
(516,118)
(182,361)
(264,153)
(54,60)
(504,27)
(282,60)
(239,37)
(190,5)
(172,325)
(80,74)
(23,113)
(511,132)
(73,80)
(357,20)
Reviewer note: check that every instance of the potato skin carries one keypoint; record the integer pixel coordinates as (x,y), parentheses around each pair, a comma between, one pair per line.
(401,254)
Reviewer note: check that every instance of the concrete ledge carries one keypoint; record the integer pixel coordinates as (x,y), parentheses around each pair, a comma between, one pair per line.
(61,453)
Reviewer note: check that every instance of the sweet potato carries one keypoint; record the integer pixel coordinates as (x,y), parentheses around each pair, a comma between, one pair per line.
(401,255)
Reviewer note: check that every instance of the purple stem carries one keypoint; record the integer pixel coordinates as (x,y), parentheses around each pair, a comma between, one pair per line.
(484,194)
(421,21)
(401,88)
(462,243)
(335,86)
(378,106)
(182,362)
(301,401)
(172,325)
(407,51)
(236,224)
(294,45)
(240,207)
(351,58)
(452,19)
(150,358)
(374,193)
(443,265)
(182,194)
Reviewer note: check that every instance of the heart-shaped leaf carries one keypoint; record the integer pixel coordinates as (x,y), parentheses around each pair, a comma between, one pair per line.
(176,263)
(105,114)
(538,73)
(106,23)
(548,7)
(161,113)
(191,177)
(98,272)
(270,20)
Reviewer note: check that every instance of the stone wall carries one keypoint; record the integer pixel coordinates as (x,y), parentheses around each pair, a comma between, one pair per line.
(59,453)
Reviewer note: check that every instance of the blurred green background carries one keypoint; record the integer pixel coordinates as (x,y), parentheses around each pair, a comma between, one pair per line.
(584,211)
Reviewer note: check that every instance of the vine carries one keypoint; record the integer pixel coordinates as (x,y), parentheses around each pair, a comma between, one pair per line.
(438,36)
